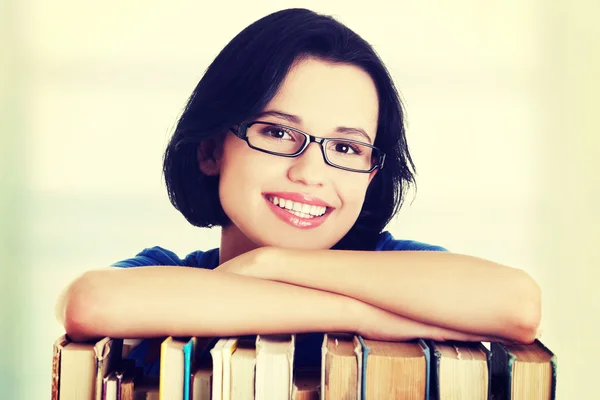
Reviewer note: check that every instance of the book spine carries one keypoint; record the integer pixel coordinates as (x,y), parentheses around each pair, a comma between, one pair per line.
(359,368)
(323,366)
(290,355)
(502,366)
(426,353)
(162,374)
(434,369)
(55,372)
(188,351)
(553,364)
(488,359)
(365,352)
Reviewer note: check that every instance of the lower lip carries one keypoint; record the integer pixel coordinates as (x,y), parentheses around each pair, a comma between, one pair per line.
(298,222)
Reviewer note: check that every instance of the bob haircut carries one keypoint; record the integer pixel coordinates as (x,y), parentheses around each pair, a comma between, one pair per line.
(242,80)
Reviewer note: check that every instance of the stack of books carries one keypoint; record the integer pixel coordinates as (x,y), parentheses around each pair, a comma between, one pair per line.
(263,367)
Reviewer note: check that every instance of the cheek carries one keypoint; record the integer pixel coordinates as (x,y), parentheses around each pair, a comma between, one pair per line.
(244,174)
(352,191)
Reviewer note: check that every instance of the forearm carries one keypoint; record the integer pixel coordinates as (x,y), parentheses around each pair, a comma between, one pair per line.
(454,291)
(161,301)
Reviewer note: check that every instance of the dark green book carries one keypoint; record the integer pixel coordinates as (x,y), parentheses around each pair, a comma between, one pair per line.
(523,371)
(460,370)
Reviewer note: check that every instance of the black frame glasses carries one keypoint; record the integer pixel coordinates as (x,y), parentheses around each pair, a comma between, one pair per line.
(377,154)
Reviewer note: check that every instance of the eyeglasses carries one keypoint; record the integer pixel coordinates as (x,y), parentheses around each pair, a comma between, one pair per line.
(285,141)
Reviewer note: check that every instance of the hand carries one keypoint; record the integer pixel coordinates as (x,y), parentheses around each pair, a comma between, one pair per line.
(377,324)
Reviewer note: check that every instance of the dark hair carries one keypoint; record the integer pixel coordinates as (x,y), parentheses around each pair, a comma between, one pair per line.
(242,80)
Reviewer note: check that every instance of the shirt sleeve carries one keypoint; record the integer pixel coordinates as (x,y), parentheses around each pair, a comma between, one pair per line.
(388,243)
(151,256)
(412,245)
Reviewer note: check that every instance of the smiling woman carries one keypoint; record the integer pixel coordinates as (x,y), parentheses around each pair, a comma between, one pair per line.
(293,143)
(308,92)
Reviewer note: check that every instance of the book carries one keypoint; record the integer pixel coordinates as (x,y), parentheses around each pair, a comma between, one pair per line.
(459,370)
(79,369)
(336,365)
(228,348)
(189,350)
(395,370)
(243,363)
(202,380)
(523,371)
(216,353)
(111,387)
(341,367)
(274,366)
(306,384)
(171,375)
(127,387)
(127,374)
(200,367)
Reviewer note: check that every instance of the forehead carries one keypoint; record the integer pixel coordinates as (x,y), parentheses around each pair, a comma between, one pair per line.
(327,95)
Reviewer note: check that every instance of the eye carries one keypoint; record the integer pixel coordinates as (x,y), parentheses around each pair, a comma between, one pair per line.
(277,133)
(346,148)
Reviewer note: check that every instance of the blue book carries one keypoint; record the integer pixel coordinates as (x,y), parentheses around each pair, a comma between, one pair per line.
(381,358)
(188,362)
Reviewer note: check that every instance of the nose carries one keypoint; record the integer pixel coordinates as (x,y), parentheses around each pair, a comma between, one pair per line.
(309,167)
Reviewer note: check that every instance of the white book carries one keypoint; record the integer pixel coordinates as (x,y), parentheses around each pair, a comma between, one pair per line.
(228,348)
(216,354)
(274,367)
(243,363)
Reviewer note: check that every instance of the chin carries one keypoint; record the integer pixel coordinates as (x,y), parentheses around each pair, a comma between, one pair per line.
(297,242)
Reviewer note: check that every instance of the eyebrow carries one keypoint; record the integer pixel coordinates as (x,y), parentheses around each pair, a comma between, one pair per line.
(297,120)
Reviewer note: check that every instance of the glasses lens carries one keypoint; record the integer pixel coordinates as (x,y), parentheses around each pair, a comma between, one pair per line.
(275,139)
(349,154)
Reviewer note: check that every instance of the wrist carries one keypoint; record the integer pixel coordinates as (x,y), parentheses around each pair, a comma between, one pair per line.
(266,263)
(353,311)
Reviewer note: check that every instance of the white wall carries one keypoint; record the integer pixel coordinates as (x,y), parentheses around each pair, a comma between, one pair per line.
(485,88)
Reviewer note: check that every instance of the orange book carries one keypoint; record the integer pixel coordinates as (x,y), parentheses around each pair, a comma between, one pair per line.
(79,369)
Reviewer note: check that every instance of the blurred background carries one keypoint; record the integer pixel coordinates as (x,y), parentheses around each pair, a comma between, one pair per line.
(500,101)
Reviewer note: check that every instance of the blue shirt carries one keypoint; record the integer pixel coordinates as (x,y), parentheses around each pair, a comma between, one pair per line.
(307,346)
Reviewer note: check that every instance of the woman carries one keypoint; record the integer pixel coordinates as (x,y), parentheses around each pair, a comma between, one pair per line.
(293,142)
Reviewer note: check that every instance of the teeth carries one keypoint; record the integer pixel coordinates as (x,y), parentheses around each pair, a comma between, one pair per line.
(299,209)
(302,215)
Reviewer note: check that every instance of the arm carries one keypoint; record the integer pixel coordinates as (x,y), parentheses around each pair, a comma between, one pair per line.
(180,301)
(454,291)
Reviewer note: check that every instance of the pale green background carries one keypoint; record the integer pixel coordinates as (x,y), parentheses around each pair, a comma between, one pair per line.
(502,109)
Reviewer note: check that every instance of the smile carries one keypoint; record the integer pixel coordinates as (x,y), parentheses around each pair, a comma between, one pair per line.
(301,210)
(306,213)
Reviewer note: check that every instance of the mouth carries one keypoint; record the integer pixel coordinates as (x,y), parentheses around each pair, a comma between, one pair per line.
(298,210)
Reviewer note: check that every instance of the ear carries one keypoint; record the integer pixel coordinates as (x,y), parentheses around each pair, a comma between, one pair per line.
(209,155)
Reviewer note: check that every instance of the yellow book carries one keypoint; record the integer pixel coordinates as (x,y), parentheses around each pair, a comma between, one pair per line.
(171,373)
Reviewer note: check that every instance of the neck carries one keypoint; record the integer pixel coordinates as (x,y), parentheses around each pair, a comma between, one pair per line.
(233,243)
